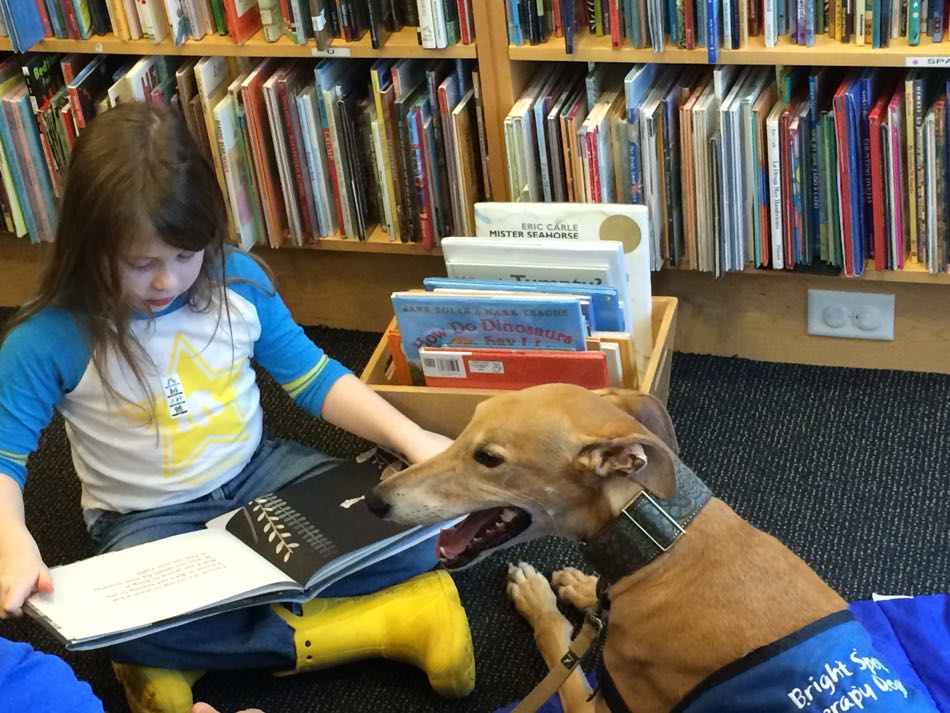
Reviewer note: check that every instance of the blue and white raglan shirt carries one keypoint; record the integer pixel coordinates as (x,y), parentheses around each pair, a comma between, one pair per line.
(827,667)
(208,411)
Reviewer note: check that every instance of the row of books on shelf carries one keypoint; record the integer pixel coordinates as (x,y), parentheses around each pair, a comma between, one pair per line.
(770,167)
(521,310)
(308,149)
(438,23)
(729,24)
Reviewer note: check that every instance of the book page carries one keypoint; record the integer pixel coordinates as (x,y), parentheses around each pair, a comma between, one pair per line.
(160,580)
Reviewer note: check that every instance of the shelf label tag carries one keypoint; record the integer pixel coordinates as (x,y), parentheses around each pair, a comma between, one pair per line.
(943,61)
(330,52)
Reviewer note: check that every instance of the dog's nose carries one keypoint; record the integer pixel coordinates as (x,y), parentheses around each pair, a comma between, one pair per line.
(376,504)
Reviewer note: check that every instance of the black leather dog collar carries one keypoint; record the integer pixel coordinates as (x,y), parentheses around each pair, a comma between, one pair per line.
(646,527)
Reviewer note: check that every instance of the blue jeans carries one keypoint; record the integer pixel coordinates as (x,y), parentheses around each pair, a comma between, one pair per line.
(253,637)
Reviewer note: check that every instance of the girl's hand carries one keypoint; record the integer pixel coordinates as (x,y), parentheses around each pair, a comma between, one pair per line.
(425,445)
(22,571)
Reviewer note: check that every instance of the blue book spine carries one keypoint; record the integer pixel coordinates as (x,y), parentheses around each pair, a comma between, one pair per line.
(46,208)
(636,171)
(23,24)
(517,37)
(866,85)
(56,20)
(810,23)
(794,153)
(876,24)
(569,20)
(854,163)
(13,159)
(712,31)
(606,310)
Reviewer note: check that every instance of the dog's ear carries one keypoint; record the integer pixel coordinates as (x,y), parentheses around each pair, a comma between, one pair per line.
(640,456)
(647,409)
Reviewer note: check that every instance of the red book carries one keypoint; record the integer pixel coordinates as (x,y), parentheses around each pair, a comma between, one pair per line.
(616,31)
(44,18)
(875,116)
(512,368)
(262,149)
(556,12)
(426,227)
(689,24)
(287,86)
(593,164)
(242,27)
(844,172)
(788,211)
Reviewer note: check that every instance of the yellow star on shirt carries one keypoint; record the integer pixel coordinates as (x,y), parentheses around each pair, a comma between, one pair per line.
(197,409)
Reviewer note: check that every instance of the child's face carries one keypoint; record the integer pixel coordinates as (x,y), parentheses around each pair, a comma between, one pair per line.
(154,273)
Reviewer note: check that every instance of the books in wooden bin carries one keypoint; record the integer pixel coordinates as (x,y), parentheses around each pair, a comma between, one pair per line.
(512,368)
(529,321)
(286,546)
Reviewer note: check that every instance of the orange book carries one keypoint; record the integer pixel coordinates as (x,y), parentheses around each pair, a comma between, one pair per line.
(399,363)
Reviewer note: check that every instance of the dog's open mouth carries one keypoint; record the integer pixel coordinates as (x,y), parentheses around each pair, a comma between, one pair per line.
(480,531)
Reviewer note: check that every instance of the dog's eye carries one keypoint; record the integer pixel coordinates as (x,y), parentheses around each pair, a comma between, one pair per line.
(487,458)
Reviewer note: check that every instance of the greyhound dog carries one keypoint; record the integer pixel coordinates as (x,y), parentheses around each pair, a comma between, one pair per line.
(698,596)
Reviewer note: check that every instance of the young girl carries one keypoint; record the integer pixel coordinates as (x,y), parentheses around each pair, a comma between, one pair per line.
(141,336)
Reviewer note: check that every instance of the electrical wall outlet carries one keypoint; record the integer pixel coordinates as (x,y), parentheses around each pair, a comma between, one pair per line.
(855,315)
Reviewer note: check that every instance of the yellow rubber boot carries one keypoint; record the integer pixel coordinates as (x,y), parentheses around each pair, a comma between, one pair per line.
(156,690)
(420,621)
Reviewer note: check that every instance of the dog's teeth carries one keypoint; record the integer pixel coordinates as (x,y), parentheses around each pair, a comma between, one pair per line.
(442,553)
(507,515)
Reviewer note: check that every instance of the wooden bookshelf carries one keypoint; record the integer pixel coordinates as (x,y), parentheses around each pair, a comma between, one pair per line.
(400,44)
(588,48)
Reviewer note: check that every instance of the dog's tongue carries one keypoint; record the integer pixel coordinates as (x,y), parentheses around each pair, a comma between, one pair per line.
(454,540)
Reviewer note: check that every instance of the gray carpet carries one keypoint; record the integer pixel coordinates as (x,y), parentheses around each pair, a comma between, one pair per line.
(848,467)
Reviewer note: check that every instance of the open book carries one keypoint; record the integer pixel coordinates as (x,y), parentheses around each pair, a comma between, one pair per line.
(286,546)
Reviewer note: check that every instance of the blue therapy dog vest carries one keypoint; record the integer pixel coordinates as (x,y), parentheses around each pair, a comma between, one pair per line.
(829,666)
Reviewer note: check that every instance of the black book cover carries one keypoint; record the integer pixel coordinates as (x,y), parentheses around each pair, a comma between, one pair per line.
(302,527)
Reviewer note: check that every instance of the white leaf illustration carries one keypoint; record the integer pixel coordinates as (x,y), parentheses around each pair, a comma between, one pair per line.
(287,556)
(272,535)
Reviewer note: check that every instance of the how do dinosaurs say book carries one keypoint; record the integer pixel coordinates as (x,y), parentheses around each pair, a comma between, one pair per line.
(284,547)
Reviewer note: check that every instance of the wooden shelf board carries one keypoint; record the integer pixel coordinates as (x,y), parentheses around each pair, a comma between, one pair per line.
(400,44)
(825,52)
(377,242)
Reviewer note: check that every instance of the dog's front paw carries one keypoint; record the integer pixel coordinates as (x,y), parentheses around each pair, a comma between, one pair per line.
(575,587)
(531,594)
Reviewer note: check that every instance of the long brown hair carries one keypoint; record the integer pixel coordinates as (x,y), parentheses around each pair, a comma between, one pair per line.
(134,166)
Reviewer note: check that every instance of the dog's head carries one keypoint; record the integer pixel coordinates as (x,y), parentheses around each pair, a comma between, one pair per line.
(552,459)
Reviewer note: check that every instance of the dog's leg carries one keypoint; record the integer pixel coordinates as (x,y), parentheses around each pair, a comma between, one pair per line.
(535,600)
(574,587)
